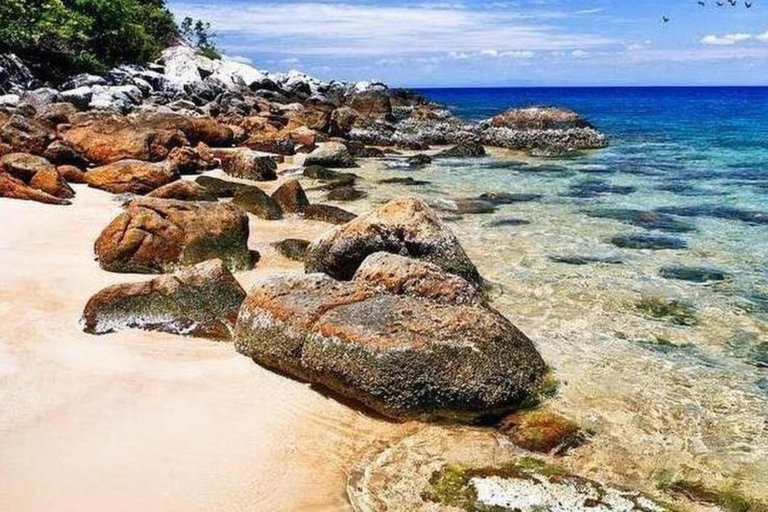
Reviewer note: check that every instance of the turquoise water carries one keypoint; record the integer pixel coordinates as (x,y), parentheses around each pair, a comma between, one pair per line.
(671,373)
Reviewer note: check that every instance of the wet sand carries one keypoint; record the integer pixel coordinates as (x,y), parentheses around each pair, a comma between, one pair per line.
(147,421)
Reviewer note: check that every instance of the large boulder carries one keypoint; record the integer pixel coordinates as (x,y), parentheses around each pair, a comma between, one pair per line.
(201,300)
(117,138)
(51,182)
(13,188)
(27,135)
(291,197)
(161,235)
(196,129)
(183,190)
(249,165)
(402,353)
(466,149)
(371,104)
(405,226)
(328,213)
(130,176)
(255,201)
(330,154)
(539,118)
(24,166)
(61,153)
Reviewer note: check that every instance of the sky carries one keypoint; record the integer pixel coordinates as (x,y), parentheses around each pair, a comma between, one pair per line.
(473,43)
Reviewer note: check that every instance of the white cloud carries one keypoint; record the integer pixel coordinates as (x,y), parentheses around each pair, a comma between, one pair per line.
(579,54)
(762,37)
(725,40)
(351,29)
(291,60)
(489,53)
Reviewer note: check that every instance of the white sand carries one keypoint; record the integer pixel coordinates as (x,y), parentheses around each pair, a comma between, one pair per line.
(139,421)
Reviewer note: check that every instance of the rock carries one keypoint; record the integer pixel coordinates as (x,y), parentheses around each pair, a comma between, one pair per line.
(40,98)
(644,219)
(345,194)
(541,431)
(248,165)
(130,176)
(407,276)
(27,135)
(188,160)
(373,104)
(506,221)
(595,188)
(500,198)
(693,274)
(196,129)
(466,149)
(24,166)
(718,212)
(183,190)
(419,160)
(318,172)
(13,188)
(644,241)
(71,173)
(342,121)
(586,260)
(405,226)
(9,100)
(292,248)
(291,197)
(256,201)
(402,355)
(161,235)
(61,153)
(474,206)
(57,113)
(274,146)
(409,182)
(539,118)
(342,179)
(328,213)
(220,188)
(331,154)
(202,300)
(51,182)
(80,97)
(117,138)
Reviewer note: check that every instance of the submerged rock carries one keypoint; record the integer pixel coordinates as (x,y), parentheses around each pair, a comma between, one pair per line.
(718,212)
(408,182)
(402,345)
(507,221)
(292,248)
(596,188)
(469,205)
(290,197)
(345,194)
(405,226)
(586,260)
(541,431)
(161,235)
(419,160)
(256,201)
(328,213)
(693,274)
(509,198)
(644,241)
(201,300)
(644,219)
(467,149)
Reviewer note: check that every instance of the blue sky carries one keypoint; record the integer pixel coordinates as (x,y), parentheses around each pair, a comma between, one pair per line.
(497,43)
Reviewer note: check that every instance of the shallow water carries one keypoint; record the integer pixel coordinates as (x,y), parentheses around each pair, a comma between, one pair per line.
(683,395)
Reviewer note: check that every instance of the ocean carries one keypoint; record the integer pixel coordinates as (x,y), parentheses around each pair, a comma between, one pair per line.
(638,270)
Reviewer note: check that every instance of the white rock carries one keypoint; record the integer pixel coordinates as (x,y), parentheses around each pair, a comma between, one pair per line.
(9,100)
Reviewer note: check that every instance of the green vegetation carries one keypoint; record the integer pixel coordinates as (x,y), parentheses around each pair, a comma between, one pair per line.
(200,33)
(665,309)
(730,499)
(61,37)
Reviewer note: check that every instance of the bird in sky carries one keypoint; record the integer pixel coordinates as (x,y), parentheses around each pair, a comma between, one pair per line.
(664,19)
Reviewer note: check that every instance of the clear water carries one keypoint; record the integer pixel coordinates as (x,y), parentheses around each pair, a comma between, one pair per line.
(665,395)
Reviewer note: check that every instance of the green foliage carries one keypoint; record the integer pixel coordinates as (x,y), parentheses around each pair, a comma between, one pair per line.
(60,37)
(200,34)
(730,499)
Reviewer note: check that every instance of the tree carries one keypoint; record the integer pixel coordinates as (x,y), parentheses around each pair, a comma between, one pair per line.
(200,34)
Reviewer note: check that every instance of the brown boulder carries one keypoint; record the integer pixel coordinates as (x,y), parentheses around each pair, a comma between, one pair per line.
(248,165)
(119,138)
(189,160)
(330,154)
(57,113)
(201,300)
(24,166)
(255,201)
(291,197)
(71,173)
(328,213)
(61,153)
(196,129)
(183,190)
(372,104)
(161,235)
(13,188)
(51,182)
(342,121)
(405,226)
(401,354)
(539,118)
(27,135)
(130,176)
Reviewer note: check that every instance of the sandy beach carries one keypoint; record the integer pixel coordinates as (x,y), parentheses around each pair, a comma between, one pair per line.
(146,421)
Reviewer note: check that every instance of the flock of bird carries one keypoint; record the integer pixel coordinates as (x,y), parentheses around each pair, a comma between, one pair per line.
(702,3)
